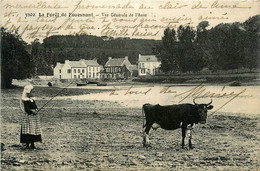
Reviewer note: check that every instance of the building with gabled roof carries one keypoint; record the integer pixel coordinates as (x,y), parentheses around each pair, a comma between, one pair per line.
(148,65)
(77,69)
(117,62)
(118,68)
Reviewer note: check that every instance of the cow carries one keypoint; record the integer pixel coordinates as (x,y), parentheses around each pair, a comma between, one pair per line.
(172,117)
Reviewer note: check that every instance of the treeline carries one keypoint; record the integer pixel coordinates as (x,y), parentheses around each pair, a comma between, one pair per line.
(223,47)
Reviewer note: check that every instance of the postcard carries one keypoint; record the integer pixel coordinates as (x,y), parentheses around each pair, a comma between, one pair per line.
(130,85)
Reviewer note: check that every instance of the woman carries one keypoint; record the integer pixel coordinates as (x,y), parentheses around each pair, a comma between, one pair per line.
(30,127)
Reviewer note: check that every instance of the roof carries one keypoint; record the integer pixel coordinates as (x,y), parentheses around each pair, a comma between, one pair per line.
(117,62)
(76,64)
(90,62)
(147,58)
(59,65)
(131,67)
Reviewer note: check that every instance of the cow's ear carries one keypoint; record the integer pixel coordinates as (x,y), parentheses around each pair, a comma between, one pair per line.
(209,107)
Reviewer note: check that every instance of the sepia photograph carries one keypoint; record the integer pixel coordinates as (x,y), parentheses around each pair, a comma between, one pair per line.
(130,85)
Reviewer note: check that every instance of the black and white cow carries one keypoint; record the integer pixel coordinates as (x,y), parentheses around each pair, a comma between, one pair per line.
(172,117)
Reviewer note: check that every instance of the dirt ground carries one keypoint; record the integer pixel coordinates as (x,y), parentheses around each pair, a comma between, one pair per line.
(100,135)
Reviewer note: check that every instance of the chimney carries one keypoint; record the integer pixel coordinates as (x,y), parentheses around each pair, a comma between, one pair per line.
(58,64)
(109,58)
(66,61)
(126,57)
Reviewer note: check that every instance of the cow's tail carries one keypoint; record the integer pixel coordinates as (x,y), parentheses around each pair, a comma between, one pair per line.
(143,117)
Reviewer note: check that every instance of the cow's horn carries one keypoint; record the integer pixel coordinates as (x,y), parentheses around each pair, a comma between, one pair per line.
(194,102)
(209,102)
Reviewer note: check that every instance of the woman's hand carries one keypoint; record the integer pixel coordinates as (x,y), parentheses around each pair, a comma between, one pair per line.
(34,111)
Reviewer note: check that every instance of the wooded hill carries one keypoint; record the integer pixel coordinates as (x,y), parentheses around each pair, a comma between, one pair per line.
(60,48)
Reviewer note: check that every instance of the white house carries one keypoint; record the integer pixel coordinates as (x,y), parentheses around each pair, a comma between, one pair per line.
(77,69)
(148,65)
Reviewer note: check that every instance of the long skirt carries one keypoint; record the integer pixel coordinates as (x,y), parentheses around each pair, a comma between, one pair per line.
(30,129)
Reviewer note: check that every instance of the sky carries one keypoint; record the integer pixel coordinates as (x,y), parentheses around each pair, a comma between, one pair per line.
(37,19)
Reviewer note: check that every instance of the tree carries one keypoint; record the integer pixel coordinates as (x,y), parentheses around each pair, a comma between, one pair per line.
(167,52)
(189,54)
(203,44)
(217,37)
(252,29)
(16,62)
(227,44)
(179,52)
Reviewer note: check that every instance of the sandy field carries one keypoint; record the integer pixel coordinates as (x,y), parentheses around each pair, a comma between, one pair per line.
(104,135)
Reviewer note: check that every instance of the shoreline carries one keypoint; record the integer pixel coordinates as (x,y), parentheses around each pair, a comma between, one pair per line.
(44,83)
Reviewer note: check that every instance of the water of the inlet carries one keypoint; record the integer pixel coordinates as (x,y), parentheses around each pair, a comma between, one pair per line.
(247,102)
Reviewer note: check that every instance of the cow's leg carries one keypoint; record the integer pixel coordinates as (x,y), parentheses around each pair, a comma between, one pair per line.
(183,131)
(190,135)
(146,141)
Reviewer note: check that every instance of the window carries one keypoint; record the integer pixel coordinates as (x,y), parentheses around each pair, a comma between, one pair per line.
(83,70)
(78,70)
(60,76)
(75,76)
(78,76)
(75,70)
(97,74)
(93,75)
(89,75)
(142,71)
(142,64)
(69,71)
(60,70)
